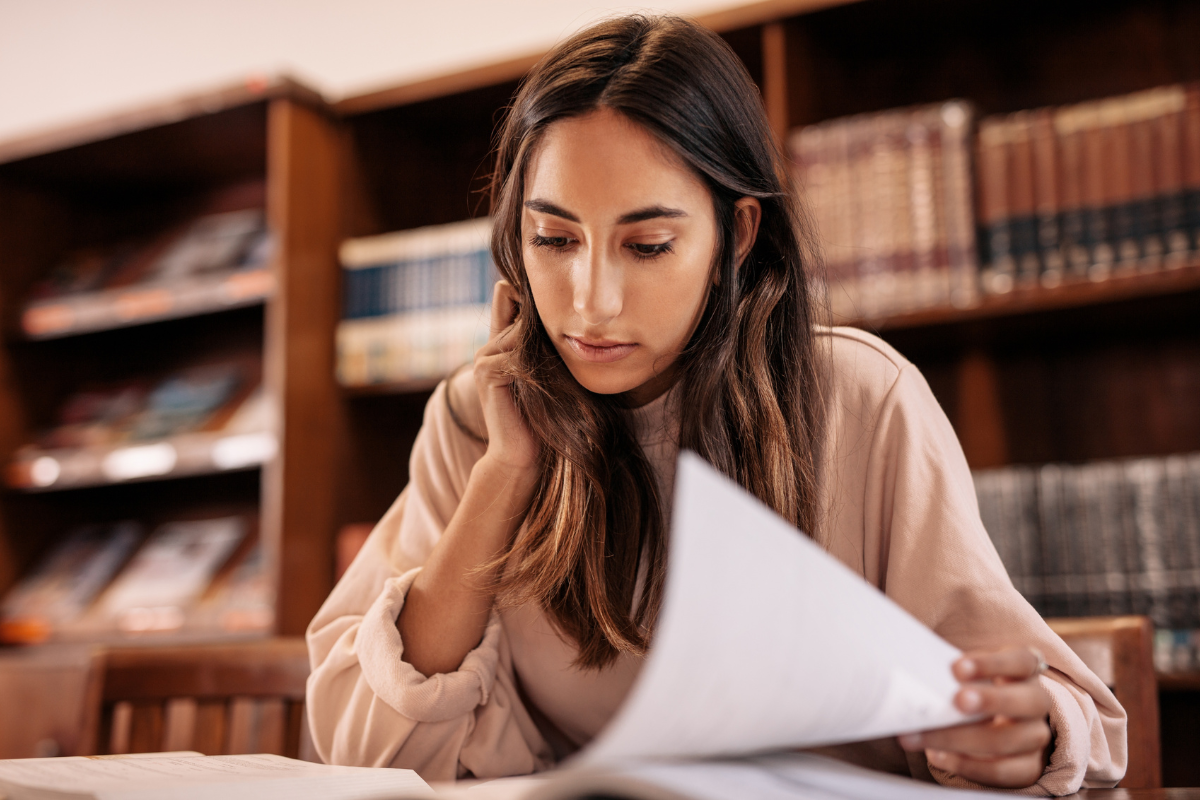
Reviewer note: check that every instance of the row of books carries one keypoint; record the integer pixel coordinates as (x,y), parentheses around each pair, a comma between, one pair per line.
(1177,651)
(112,580)
(1109,537)
(432,267)
(211,417)
(1080,192)
(417,303)
(1089,190)
(890,195)
(208,263)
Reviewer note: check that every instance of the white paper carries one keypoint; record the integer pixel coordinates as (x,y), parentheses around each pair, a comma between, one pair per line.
(779,776)
(767,642)
(252,777)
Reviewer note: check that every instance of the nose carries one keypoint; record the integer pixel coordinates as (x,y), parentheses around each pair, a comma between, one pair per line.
(599,289)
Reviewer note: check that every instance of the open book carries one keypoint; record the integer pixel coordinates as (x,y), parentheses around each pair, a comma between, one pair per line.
(192,776)
(765,644)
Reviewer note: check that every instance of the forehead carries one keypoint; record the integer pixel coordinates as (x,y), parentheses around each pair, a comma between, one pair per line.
(605,162)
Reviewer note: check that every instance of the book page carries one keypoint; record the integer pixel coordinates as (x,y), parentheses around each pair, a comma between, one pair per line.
(249,777)
(778,776)
(767,642)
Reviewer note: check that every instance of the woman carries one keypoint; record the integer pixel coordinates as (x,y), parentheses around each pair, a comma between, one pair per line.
(658,295)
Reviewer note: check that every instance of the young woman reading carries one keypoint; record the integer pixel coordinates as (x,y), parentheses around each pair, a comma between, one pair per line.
(659,294)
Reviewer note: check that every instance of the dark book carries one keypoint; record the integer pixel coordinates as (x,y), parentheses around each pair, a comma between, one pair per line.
(1191,163)
(1047,200)
(1021,201)
(1072,229)
(995,217)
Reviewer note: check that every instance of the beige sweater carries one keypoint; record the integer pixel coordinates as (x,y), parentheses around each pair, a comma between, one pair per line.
(900,511)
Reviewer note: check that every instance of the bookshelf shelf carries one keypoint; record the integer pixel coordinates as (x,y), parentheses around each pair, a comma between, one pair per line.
(1179,681)
(401,387)
(185,455)
(141,304)
(1039,300)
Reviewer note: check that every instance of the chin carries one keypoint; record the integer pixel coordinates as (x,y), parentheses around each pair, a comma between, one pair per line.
(605,380)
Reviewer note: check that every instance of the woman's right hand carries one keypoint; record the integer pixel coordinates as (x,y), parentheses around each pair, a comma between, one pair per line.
(510,444)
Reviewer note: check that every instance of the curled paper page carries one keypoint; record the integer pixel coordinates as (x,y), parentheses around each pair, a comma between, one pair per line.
(766,642)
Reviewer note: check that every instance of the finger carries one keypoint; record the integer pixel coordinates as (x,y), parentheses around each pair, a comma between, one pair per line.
(989,739)
(1022,699)
(1006,773)
(1011,662)
(491,368)
(504,306)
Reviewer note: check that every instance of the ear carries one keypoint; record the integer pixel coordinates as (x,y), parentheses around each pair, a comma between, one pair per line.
(747,215)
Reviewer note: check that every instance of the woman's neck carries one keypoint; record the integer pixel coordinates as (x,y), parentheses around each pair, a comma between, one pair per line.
(652,389)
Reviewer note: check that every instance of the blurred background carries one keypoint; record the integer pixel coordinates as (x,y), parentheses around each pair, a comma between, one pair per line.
(242,242)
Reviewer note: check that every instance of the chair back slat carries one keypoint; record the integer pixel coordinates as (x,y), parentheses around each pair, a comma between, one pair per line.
(146,728)
(1120,650)
(208,736)
(215,699)
(179,724)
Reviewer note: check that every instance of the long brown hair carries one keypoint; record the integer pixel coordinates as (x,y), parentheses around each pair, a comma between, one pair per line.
(751,371)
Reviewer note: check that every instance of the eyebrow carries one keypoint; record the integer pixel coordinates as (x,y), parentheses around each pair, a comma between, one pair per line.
(641,215)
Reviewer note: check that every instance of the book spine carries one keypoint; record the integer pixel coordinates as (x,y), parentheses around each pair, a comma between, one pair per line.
(847,301)
(1108,479)
(1145,479)
(956,130)
(923,213)
(1047,202)
(899,289)
(1072,230)
(1191,163)
(1056,565)
(1144,207)
(1183,600)
(1097,230)
(1022,219)
(995,215)
(1168,186)
(1118,182)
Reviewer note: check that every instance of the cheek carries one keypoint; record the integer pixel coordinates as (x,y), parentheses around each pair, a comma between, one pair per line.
(549,282)
(671,304)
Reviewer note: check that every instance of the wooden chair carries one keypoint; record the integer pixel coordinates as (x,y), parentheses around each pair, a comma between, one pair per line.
(218,699)
(49,701)
(1120,650)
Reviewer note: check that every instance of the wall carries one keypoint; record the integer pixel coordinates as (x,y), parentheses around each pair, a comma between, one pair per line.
(65,61)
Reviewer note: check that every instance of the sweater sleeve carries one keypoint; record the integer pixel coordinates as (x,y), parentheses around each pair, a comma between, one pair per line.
(366,705)
(934,558)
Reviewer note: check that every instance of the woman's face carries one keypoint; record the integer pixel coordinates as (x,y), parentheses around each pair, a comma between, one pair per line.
(618,241)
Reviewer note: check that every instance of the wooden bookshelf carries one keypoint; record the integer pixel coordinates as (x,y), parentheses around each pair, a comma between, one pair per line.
(1080,371)
(135,174)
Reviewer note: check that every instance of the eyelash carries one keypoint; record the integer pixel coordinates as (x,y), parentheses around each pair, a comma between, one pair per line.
(643,252)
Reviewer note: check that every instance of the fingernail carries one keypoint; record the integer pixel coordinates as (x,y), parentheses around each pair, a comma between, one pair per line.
(969,700)
(936,757)
(966,667)
(911,741)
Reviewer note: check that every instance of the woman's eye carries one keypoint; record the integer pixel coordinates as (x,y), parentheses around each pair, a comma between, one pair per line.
(552,242)
(650,250)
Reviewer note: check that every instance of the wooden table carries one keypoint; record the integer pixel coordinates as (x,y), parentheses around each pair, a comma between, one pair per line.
(1190,793)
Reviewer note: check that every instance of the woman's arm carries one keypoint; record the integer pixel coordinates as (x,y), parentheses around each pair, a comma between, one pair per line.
(447,607)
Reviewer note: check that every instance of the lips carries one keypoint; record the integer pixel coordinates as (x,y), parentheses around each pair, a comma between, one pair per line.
(600,351)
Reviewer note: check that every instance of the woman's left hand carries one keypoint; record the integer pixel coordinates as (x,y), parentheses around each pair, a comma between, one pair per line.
(1008,749)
